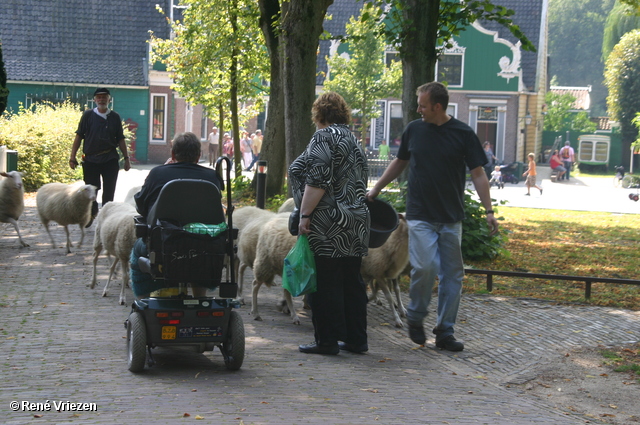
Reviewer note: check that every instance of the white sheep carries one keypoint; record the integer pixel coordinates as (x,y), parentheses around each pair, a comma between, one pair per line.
(116,233)
(383,265)
(274,243)
(248,221)
(65,204)
(287,206)
(12,200)
(129,196)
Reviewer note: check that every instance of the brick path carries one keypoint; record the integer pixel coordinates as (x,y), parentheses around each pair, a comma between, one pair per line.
(61,341)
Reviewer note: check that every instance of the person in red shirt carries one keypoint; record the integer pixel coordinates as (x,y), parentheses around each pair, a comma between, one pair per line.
(556,165)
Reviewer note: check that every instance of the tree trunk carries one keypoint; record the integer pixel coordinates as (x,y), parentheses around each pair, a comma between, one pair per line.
(301,28)
(237,154)
(273,148)
(418,51)
(4,92)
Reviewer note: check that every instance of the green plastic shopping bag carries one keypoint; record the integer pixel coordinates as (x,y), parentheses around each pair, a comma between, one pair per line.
(299,272)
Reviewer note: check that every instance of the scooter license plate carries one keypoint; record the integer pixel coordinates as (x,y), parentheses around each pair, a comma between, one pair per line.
(169,332)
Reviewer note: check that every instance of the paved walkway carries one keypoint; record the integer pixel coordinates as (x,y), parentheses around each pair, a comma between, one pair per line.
(61,341)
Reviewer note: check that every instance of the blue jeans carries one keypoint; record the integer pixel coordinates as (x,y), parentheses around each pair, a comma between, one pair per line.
(434,249)
(567,165)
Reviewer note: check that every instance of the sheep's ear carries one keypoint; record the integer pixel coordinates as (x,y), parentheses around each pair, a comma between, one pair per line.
(2,173)
(401,216)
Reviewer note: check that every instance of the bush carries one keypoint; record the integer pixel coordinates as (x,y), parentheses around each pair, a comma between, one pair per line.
(43,137)
(477,244)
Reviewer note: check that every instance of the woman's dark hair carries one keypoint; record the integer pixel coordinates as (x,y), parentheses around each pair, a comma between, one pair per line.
(186,147)
(330,108)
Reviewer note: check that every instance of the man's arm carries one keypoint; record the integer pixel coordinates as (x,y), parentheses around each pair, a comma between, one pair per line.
(73,162)
(123,148)
(481,184)
(395,168)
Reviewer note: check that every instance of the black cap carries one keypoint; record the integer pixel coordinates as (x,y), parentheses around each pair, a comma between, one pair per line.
(101,91)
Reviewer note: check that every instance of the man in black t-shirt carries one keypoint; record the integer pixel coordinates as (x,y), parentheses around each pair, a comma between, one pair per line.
(102,132)
(437,149)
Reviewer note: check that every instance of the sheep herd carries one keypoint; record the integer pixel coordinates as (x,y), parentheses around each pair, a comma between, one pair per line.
(263,240)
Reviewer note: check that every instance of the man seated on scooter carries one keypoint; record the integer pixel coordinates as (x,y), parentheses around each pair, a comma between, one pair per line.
(185,154)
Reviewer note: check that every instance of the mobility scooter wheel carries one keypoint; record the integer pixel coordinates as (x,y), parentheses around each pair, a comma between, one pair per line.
(234,345)
(136,342)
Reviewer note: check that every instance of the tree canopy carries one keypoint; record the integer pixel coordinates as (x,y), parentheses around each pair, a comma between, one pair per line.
(575,33)
(622,77)
(560,117)
(621,20)
(217,59)
(363,78)
(422,28)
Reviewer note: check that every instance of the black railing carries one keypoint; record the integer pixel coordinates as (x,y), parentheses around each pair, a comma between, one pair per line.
(588,280)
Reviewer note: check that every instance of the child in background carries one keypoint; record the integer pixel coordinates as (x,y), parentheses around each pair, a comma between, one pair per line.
(496,177)
(531,175)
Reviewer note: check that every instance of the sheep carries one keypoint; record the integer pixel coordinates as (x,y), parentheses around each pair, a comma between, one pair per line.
(65,204)
(129,196)
(12,200)
(249,221)
(287,206)
(385,264)
(116,233)
(274,243)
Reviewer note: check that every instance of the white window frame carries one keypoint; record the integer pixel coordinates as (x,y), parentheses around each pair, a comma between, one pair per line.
(152,140)
(461,69)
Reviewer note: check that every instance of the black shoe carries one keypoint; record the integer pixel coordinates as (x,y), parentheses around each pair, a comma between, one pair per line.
(314,348)
(416,333)
(358,349)
(449,343)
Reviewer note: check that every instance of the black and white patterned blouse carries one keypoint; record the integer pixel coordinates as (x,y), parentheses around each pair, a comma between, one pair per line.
(334,161)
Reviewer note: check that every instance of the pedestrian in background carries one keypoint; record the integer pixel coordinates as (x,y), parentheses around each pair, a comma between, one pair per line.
(531,174)
(102,132)
(568,158)
(256,147)
(214,146)
(437,149)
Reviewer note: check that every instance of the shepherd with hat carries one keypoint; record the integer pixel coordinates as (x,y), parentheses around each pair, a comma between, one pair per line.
(102,132)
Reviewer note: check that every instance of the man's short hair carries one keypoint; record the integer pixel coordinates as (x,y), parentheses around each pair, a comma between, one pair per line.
(438,93)
(186,147)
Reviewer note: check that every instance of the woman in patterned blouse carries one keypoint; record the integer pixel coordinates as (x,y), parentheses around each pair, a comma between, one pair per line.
(329,184)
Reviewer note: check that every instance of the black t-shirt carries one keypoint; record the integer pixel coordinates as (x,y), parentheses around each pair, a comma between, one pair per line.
(162,174)
(437,157)
(101,136)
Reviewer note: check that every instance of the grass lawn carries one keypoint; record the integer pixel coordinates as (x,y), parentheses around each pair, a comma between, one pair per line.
(566,242)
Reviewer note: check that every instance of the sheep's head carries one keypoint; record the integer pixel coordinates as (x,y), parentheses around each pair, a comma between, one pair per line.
(89,191)
(16,176)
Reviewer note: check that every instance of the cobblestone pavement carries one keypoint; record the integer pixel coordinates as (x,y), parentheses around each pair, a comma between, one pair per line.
(63,342)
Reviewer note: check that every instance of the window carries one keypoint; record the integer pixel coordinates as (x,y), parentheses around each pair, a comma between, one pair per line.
(390,57)
(449,69)
(159,117)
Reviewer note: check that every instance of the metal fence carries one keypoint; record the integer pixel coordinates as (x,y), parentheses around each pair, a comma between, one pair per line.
(588,280)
